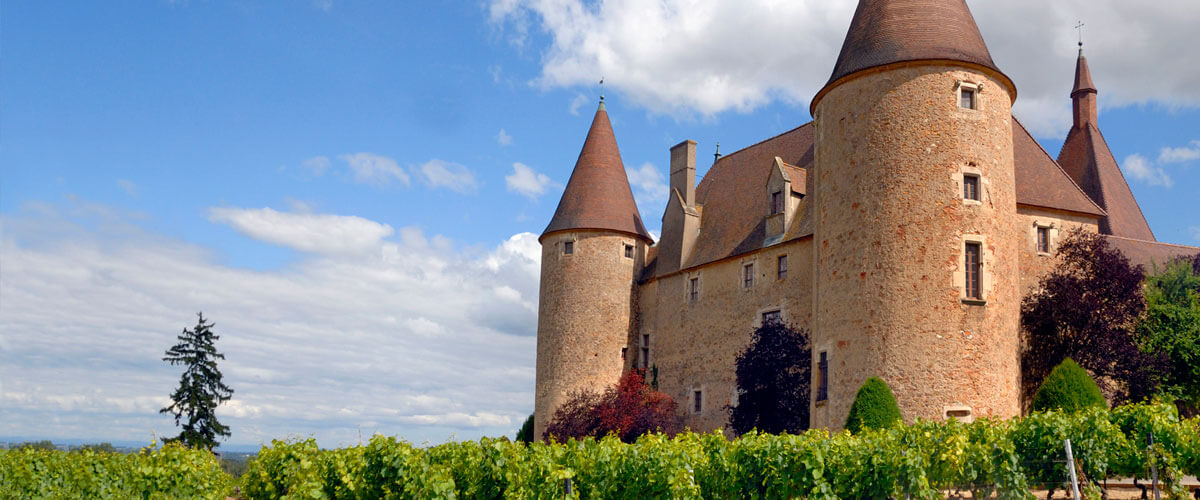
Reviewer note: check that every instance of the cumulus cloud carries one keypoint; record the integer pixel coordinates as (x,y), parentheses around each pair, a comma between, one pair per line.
(526,181)
(1191,152)
(1138,167)
(503,138)
(452,176)
(577,102)
(682,57)
(127,186)
(369,168)
(649,187)
(306,232)
(317,165)
(422,339)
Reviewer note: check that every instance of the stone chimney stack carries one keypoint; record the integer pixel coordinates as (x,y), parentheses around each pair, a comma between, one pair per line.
(680,221)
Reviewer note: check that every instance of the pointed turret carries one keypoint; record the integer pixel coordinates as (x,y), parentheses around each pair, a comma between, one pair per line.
(885,32)
(598,194)
(1086,158)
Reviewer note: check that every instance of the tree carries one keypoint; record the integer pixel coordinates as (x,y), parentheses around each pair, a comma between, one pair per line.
(200,388)
(874,407)
(774,381)
(629,409)
(1086,309)
(1068,388)
(1171,328)
(525,433)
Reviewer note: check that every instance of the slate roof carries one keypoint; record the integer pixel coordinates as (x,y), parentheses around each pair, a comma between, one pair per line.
(598,195)
(1086,158)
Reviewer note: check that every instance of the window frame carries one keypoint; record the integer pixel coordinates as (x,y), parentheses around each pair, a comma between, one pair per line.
(777,202)
(1043,240)
(973,271)
(773,315)
(693,292)
(822,376)
(781,267)
(628,251)
(568,247)
(972,187)
(697,401)
(645,351)
(748,276)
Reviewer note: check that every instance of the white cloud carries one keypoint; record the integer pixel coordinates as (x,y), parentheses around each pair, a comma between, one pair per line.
(452,176)
(128,186)
(577,102)
(322,5)
(649,187)
(1187,153)
(1141,169)
(682,56)
(312,233)
(503,138)
(317,165)
(369,168)
(421,340)
(526,181)
(1195,233)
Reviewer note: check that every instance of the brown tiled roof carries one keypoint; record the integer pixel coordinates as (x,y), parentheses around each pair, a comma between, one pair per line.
(1083,77)
(1149,253)
(891,31)
(1086,158)
(598,195)
(1041,182)
(733,222)
(797,176)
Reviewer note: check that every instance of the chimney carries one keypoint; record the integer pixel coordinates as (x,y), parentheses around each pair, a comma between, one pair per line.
(681,221)
(683,171)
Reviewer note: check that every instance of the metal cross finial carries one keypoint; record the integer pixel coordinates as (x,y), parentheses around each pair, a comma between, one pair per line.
(1079,27)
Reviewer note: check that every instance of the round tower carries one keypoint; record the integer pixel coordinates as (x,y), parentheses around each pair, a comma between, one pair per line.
(591,254)
(916,260)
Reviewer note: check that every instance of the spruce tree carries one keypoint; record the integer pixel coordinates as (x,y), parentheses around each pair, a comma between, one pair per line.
(200,390)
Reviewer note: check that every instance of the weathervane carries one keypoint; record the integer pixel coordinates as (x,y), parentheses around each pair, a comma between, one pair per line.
(601,89)
(1079,27)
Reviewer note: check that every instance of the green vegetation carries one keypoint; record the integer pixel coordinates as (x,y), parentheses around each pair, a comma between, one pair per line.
(194,402)
(171,471)
(1171,327)
(1068,388)
(874,407)
(773,378)
(525,433)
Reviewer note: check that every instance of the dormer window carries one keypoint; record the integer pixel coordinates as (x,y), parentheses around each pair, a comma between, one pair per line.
(777,202)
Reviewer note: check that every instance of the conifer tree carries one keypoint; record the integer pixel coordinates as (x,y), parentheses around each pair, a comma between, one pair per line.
(773,381)
(200,389)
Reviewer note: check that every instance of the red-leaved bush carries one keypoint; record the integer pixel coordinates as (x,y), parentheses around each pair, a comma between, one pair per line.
(629,409)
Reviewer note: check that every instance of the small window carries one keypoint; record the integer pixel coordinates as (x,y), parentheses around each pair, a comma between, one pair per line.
(771,317)
(697,401)
(748,276)
(628,251)
(782,267)
(777,202)
(967,98)
(971,187)
(645,352)
(1043,240)
(624,352)
(693,289)
(568,247)
(823,377)
(972,274)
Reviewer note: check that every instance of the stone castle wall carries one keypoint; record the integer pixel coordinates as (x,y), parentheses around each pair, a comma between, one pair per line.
(892,148)
(584,315)
(694,344)
(1035,265)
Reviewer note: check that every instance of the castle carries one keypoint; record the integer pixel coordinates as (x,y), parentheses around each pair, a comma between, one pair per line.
(902,227)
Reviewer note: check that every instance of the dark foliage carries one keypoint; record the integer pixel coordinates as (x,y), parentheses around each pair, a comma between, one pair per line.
(200,389)
(1086,309)
(629,409)
(1171,327)
(44,444)
(525,434)
(96,447)
(874,407)
(1068,388)
(774,379)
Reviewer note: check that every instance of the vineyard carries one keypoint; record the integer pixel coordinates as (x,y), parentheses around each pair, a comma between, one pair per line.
(1006,459)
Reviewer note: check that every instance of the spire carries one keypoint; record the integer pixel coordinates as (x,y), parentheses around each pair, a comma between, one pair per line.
(1083,96)
(891,31)
(598,195)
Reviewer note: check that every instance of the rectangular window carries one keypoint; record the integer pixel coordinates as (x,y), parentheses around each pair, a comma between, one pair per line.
(772,317)
(777,202)
(645,352)
(693,289)
(781,272)
(624,351)
(1043,242)
(628,251)
(970,187)
(823,377)
(697,401)
(972,266)
(748,276)
(968,98)
(568,247)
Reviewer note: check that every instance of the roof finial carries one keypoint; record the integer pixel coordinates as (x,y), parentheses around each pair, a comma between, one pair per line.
(717,153)
(1079,27)
(602,90)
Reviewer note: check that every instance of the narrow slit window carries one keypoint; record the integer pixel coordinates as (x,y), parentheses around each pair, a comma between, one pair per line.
(645,352)
(971,187)
(972,275)
(693,289)
(967,98)
(748,275)
(1043,239)
(782,269)
(697,401)
(823,377)
(777,202)
(568,247)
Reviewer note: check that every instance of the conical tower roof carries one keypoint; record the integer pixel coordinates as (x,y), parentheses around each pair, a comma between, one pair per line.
(598,194)
(1083,77)
(885,32)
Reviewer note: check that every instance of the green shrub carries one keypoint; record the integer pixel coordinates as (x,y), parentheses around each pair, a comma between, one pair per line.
(525,433)
(874,407)
(1068,388)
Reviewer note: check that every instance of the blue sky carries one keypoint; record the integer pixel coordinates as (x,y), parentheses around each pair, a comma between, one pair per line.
(351,190)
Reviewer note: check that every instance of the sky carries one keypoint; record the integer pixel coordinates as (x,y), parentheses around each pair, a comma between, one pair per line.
(352,191)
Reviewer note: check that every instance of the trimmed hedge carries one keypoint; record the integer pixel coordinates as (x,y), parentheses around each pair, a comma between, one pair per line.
(1068,388)
(874,407)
